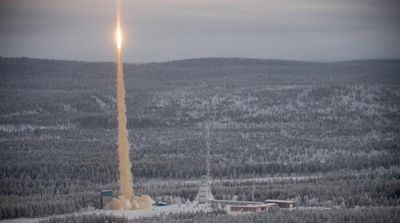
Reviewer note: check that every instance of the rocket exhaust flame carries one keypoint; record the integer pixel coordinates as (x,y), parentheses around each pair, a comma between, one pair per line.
(119,38)
(127,200)
(118,29)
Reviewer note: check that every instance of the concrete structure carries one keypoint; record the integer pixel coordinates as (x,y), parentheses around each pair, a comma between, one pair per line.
(106,196)
(204,195)
(224,203)
(281,203)
(251,208)
(241,206)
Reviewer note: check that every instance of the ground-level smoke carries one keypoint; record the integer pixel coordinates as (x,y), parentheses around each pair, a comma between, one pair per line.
(127,199)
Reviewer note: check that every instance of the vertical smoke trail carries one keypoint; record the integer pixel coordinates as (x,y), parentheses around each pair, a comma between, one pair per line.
(207,150)
(123,142)
(209,195)
(127,200)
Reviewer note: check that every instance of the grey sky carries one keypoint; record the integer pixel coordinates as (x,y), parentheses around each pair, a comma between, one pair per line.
(160,30)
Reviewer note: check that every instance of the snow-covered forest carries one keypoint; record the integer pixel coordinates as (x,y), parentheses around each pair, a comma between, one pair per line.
(324,134)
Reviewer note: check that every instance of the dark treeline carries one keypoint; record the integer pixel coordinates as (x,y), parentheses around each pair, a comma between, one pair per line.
(359,215)
(346,192)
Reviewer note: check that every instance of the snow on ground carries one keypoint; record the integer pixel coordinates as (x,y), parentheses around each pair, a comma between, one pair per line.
(170,209)
(22,220)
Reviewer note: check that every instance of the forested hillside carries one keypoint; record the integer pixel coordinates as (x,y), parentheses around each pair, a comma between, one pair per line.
(336,125)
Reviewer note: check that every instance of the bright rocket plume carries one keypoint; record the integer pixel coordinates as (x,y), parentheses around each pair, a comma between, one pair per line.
(118,33)
(127,200)
(119,38)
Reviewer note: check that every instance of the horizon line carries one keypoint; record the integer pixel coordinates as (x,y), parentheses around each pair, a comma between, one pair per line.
(204,58)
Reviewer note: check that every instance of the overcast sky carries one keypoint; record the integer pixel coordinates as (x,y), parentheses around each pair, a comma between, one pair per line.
(161,30)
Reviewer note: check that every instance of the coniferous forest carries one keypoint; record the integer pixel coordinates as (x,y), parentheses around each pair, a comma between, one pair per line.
(322,134)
